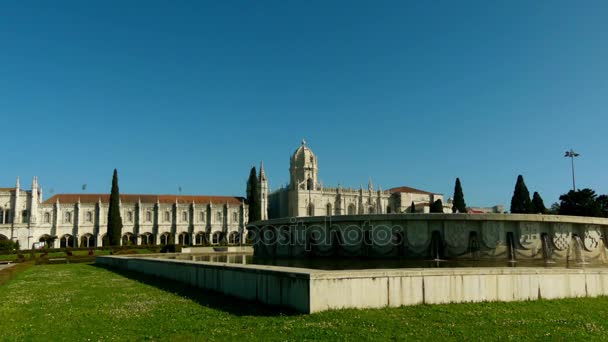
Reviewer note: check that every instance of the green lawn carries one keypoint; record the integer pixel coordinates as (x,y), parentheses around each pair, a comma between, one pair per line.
(81,302)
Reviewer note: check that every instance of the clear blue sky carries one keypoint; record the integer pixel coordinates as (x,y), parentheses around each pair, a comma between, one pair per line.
(193,93)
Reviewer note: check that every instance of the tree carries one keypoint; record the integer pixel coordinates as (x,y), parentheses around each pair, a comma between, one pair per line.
(413,208)
(602,202)
(437,206)
(114,219)
(554,210)
(538,204)
(253,198)
(580,203)
(458,205)
(520,202)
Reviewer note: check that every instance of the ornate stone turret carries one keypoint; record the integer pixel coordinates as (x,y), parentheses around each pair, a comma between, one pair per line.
(303,168)
(16,207)
(35,200)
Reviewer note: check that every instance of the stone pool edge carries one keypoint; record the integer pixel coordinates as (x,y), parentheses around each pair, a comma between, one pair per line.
(308,290)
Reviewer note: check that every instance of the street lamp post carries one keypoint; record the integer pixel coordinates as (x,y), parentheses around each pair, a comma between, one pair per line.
(572,154)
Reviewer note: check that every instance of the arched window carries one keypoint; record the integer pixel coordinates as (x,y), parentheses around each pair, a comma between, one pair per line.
(130,216)
(202,216)
(68,217)
(328,209)
(89,217)
(371,209)
(388,209)
(219,217)
(235,217)
(47,218)
(311,209)
(167,216)
(24,216)
(185,216)
(351,209)
(148,216)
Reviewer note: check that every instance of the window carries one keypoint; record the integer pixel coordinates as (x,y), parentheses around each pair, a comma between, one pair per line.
(130,216)
(235,217)
(351,209)
(148,216)
(47,218)
(311,210)
(68,217)
(219,217)
(185,216)
(89,216)
(24,216)
(328,209)
(167,216)
(202,216)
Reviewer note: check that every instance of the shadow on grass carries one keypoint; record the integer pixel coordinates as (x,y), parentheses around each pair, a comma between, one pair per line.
(205,297)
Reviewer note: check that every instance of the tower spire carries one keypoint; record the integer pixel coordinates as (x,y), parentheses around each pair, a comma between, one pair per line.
(262,172)
(17,185)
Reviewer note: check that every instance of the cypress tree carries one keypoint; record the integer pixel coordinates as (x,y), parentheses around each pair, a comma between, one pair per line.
(114,219)
(459,205)
(436,207)
(413,208)
(253,196)
(538,204)
(520,202)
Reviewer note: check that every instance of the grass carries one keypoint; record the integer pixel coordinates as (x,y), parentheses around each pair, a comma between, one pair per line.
(27,255)
(82,302)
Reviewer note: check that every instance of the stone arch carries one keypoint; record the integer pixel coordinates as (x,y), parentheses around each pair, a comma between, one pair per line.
(3,237)
(129,239)
(166,239)
(201,238)
(216,238)
(234,238)
(147,239)
(351,209)
(67,241)
(183,239)
(87,240)
(311,209)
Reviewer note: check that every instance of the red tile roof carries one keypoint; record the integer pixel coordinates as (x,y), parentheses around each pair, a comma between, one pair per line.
(409,190)
(7,189)
(134,198)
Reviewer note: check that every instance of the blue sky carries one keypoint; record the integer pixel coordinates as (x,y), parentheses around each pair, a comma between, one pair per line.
(193,93)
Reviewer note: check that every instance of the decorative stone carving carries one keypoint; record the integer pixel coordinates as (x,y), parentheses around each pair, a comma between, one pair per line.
(529,233)
(592,238)
(417,233)
(456,234)
(492,233)
(562,235)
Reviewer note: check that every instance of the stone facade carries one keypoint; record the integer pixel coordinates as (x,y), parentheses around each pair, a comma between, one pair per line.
(306,196)
(80,220)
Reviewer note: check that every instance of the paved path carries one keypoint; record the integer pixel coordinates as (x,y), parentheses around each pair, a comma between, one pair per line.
(6,266)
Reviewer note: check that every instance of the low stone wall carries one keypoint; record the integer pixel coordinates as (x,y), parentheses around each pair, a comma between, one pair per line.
(309,291)
(211,250)
(493,236)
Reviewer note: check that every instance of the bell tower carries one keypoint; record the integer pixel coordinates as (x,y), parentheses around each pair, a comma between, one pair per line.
(303,169)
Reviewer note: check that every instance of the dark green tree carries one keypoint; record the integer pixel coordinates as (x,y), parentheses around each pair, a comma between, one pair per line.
(580,203)
(436,207)
(458,205)
(114,219)
(253,198)
(602,202)
(413,208)
(538,204)
(520,202)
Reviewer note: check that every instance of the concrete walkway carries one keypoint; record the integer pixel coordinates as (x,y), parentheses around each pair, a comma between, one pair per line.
(2,267)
